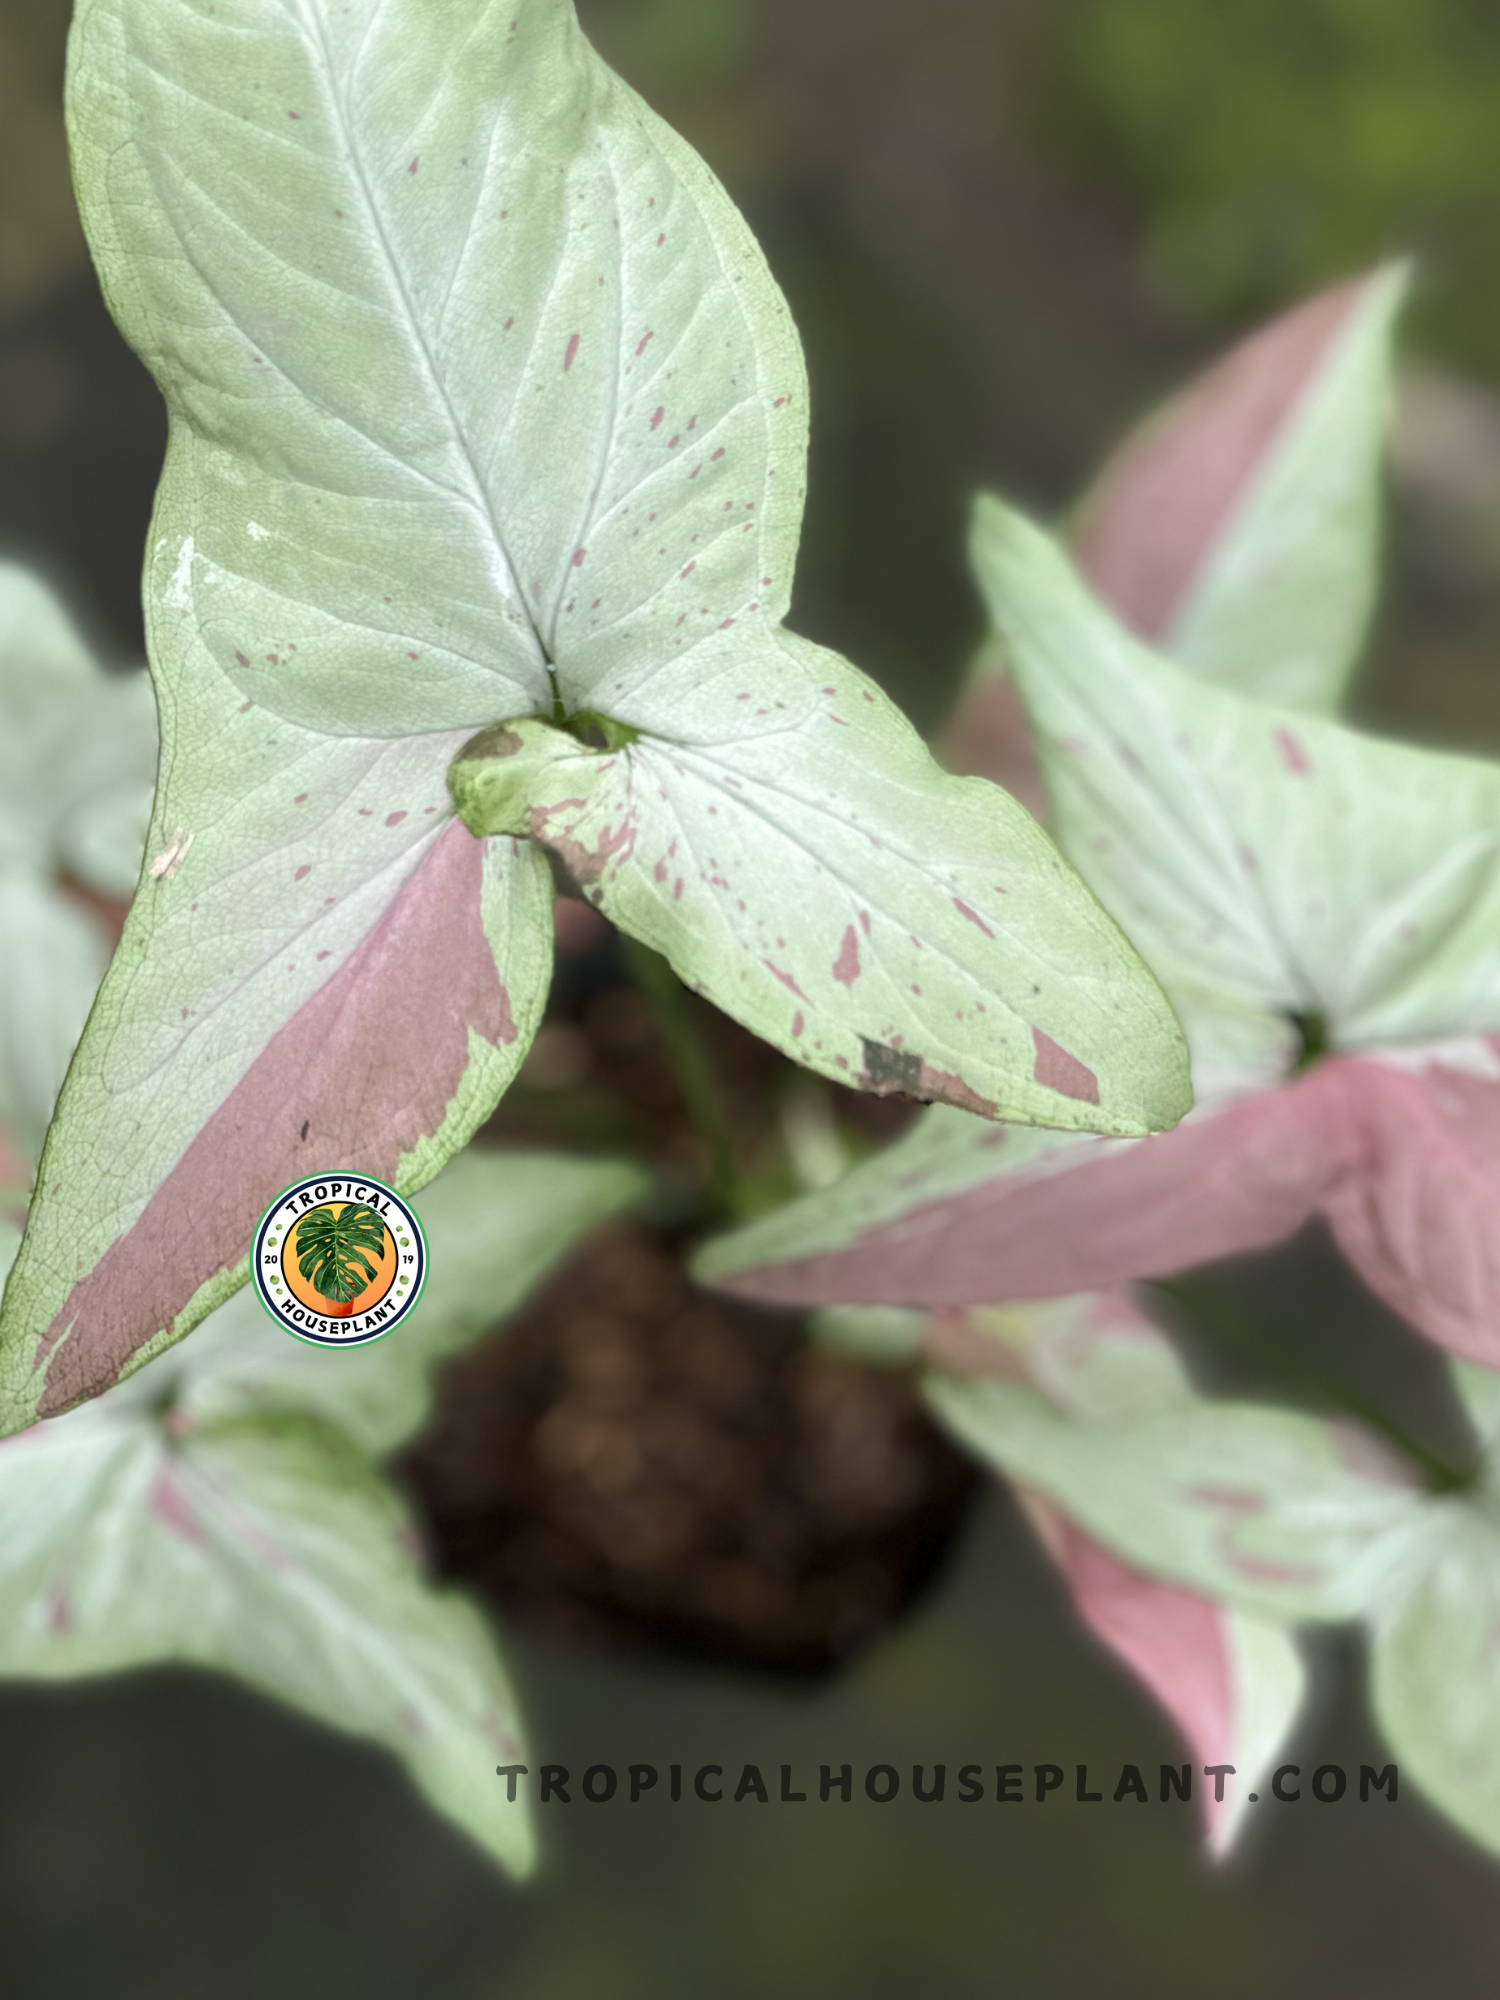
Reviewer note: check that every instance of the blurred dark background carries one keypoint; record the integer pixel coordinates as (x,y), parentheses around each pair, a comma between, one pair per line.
(1005,228)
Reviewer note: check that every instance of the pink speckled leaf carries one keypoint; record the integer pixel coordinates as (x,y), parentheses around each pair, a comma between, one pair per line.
(802,861)
(274,1553)
(220,1508)
(1279,861)
(422,287)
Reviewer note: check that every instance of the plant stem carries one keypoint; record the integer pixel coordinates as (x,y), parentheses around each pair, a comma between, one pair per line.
(1441,1477)
(673,1007)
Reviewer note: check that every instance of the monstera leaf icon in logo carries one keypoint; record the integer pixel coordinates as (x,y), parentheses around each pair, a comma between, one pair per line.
(334,1247)
(339,1261)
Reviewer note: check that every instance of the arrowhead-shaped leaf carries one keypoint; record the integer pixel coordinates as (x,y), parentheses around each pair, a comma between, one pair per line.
(275,1554)
(1238,528)
(1273,868)
(484,407)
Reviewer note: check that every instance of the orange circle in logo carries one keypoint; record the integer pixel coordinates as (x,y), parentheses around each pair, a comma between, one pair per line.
(375,1289)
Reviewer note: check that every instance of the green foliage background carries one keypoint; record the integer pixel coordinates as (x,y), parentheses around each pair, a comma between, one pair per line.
(1260,146)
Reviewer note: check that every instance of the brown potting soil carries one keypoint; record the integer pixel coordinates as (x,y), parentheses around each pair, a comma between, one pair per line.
(636,1460)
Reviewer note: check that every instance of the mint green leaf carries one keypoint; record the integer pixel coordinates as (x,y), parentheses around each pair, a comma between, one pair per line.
(77,753)
(1479,1393)
(807,866)
(1266,1510)
(52,957)
(77,747)
(275,1555)
(1435,1679)
(1285,863)
(495,1223)
(1238,529)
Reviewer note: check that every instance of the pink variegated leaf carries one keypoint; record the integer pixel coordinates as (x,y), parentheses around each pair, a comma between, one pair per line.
(801,860)
(1236,529)
(943,1218)
(1230,1682)
(1265,1510)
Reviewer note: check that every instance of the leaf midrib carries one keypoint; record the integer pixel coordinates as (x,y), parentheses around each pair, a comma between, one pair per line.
(479,497)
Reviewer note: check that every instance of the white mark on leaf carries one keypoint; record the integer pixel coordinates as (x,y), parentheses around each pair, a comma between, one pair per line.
(172,856)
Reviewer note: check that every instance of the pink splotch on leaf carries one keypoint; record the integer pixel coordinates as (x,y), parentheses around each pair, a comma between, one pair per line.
(367,1067)
(846,965)
(1055,1069)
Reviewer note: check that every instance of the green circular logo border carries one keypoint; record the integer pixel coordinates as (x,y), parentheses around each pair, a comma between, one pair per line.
(327,1341)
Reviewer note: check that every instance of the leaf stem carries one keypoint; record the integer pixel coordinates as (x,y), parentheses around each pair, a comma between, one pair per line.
(689,1056)
(1224,1321)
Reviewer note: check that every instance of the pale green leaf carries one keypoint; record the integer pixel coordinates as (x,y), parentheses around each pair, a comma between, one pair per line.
(52,957)
(1284,862)
(273,1554)
(1263,1509)
(1435,1675)
(484,407)
(806,865)
(77,747)
(218,1508)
